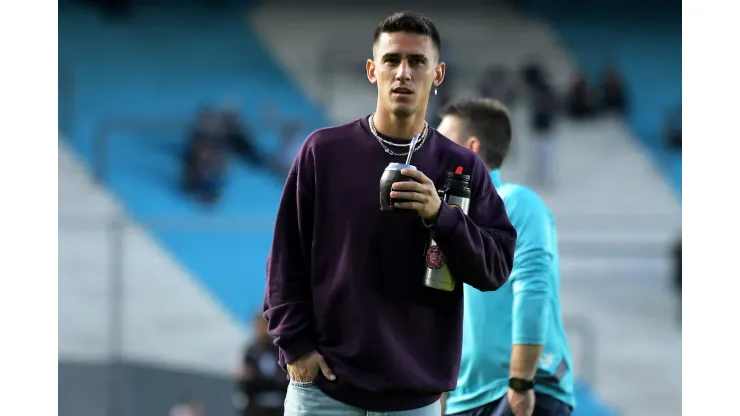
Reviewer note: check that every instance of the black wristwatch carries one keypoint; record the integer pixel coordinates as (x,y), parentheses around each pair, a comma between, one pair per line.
(521,385)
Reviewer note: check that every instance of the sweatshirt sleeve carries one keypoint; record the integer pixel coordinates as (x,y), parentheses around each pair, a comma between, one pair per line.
(288,302)
(478,247)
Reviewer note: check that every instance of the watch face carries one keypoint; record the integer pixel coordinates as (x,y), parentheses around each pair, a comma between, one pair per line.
(520,385)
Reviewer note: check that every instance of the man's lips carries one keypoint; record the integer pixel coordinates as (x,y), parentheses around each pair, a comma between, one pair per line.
(402,90)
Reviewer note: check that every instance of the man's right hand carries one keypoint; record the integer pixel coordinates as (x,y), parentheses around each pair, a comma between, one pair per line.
(307,367)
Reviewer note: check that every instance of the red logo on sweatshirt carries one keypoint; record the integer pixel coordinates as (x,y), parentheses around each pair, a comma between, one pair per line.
(435,258)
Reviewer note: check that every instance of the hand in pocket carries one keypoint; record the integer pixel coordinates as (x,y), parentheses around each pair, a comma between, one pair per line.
(307,367)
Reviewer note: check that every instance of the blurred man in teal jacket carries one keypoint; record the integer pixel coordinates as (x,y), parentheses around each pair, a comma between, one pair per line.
(515,358)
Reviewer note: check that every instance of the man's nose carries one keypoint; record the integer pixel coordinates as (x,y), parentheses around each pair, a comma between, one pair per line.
(403,73)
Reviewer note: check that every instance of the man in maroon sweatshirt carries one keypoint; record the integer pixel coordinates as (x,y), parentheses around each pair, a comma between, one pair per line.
(345,300)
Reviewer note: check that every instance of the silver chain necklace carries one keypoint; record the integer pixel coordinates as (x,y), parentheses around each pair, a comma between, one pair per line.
(385,143)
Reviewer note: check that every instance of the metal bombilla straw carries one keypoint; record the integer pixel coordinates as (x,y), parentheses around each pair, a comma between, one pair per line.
(412,147)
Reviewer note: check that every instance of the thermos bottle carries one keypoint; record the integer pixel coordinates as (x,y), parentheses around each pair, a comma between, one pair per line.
(456,192)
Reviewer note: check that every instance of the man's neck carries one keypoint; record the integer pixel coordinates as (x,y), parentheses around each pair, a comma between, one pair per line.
(399,128)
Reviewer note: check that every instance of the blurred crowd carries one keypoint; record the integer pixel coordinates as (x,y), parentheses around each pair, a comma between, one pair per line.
(581,102)
(584,100)
(218,134)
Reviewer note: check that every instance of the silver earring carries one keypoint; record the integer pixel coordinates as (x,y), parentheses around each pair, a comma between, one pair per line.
(435,90)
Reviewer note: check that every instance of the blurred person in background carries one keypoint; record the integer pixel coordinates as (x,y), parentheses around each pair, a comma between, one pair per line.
(673,129)
(288,131)
(261,381)
(216,134)
(243,143)
(204,158)
(516,358)
(358,330)
(238,137)
(499,84)
(678,274)
(581,100)
(543,136)
(533,74)
(613,93)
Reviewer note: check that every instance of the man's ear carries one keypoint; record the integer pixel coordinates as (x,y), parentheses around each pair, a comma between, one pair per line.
(439,74)
(370,68)
(473,144)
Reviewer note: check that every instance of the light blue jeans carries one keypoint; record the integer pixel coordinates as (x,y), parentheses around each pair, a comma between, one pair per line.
(305,399)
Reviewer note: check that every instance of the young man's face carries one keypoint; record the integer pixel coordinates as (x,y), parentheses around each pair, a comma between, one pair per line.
(405,68)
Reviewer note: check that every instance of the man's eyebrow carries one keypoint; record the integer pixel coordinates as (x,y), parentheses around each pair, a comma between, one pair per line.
(409,55)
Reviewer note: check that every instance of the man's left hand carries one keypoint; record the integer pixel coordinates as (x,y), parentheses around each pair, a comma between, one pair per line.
(421,194)
(521,404)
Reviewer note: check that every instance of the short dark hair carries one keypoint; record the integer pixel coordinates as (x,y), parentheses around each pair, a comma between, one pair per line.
(409,22)
(489,121)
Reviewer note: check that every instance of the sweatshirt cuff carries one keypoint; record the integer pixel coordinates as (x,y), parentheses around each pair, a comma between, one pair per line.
(446,221)
(296,348)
